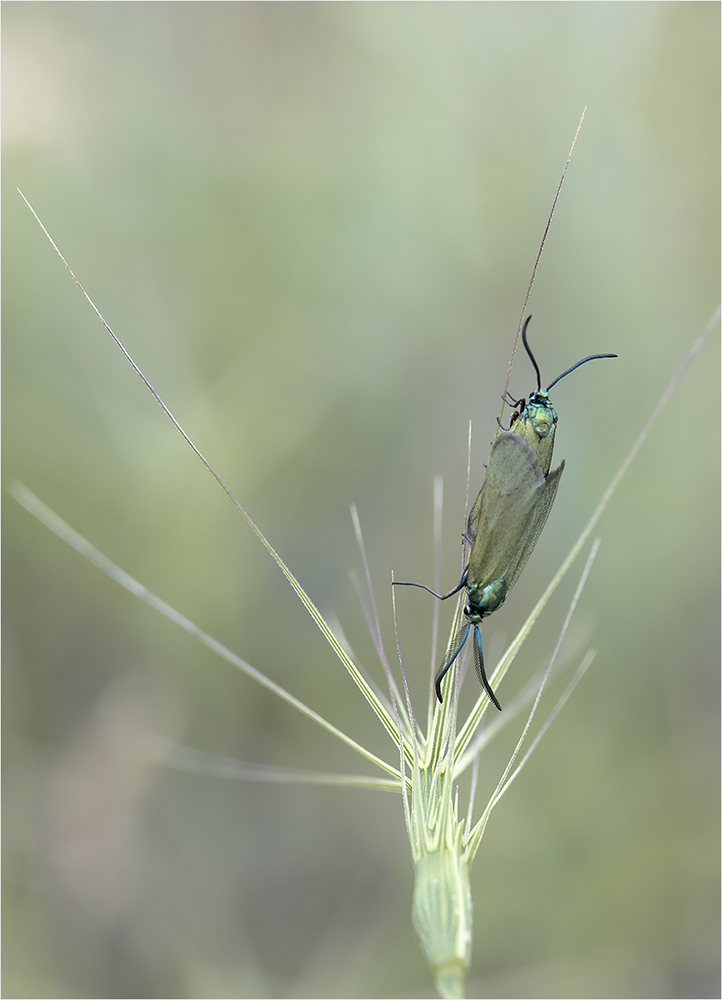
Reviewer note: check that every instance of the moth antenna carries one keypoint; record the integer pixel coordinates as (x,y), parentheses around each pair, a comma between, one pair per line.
(481,673)
(445,667)
(531,356)
(538,256)
(592,357)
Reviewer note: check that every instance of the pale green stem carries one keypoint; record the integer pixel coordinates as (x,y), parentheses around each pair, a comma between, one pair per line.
(438,507)
(476,834)
(375,626)
(512,709)
(385,718)
(198,762)
(578,674)
(56,524)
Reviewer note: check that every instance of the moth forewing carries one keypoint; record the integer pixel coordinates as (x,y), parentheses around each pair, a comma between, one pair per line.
(503,527)
(515,501)
(472,523)
(537,519)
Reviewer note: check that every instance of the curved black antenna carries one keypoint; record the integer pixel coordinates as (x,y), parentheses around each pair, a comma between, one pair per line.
(478,660)
(592,357)
(531,356)
(445,667)
(481,673)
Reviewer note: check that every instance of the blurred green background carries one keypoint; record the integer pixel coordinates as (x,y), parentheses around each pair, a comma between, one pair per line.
(313,226)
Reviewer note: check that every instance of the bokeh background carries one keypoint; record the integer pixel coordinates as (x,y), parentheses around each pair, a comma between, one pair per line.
(313,225)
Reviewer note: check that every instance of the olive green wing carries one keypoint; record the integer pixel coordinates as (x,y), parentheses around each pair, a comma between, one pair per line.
(472,523)
(512,509)
(536,524)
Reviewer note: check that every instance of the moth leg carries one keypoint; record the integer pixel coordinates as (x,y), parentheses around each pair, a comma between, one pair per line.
(440,597)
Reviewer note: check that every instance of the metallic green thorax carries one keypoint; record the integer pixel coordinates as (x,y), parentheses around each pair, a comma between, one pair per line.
(536,423)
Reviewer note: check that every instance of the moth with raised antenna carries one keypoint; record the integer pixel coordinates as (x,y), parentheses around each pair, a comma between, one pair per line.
(508,516)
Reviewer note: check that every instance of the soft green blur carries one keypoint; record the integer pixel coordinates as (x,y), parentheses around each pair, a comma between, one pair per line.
(313,225)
